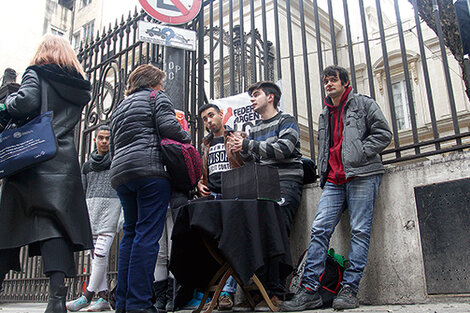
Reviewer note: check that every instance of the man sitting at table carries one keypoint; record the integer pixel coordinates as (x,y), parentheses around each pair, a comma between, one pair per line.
(275,141)
(215,160)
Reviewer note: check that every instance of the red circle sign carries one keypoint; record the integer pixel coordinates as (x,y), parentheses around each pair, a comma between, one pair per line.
(172,11)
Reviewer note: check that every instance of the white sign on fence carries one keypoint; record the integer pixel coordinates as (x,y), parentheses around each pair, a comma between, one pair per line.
(166,35)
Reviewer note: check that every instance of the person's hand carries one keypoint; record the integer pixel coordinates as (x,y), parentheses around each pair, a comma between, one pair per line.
(202,190)
(235,142)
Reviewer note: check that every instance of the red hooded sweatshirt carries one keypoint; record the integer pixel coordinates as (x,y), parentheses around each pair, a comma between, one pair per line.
(336,174)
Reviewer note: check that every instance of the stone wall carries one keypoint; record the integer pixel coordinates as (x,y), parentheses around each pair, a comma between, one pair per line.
(395,271)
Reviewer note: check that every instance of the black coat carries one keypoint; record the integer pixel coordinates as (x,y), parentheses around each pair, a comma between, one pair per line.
(47,201)
(134,142)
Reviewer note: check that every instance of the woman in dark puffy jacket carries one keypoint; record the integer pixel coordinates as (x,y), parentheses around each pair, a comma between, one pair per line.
(141,181)
(44,206)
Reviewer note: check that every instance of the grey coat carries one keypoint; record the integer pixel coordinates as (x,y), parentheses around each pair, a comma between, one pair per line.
(366,133)
(47,201)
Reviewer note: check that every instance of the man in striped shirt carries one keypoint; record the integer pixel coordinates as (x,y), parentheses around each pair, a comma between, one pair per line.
(275,141)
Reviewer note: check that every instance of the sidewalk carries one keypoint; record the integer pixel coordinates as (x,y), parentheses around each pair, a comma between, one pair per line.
(415,308)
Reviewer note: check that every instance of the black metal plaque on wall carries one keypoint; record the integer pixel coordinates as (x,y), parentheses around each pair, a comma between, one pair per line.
(444,224)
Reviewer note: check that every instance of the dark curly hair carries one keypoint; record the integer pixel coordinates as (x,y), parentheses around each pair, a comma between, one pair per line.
(269,88)
(335,70)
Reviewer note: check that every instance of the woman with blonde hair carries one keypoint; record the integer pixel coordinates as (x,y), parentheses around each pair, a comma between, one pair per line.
(43,207)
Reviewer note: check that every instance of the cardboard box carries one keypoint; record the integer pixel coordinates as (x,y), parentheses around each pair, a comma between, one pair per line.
(252,181)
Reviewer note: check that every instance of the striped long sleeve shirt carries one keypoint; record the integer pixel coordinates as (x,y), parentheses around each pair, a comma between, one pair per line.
(276,142)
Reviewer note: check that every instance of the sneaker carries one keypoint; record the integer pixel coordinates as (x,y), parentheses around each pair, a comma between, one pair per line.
(225,301)
(195,301)
(302,301)
(100,305)
(346,299)
(263,305)
(77,305)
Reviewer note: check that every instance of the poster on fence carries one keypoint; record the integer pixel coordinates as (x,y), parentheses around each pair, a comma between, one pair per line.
(238,111)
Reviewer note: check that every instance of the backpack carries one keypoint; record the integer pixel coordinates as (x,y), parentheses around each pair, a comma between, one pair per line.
(330,279)
(182,161)
(310,171)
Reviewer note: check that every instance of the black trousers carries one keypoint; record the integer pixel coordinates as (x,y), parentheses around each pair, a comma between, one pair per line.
(57,256)
(270,275)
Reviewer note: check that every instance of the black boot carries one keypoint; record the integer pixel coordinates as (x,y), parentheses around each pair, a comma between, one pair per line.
(160,289)
(170,295)
(56,303)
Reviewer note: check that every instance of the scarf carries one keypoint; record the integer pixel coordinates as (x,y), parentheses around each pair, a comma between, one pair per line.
(99,162)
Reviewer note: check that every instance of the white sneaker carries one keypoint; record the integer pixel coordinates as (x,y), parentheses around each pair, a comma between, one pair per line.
(78,304)
(100,305)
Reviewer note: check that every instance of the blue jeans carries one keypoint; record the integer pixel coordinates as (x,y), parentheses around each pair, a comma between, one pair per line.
(230,286)
(358,196)
(145,202)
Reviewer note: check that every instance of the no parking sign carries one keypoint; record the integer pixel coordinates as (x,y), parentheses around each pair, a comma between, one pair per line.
(172,11)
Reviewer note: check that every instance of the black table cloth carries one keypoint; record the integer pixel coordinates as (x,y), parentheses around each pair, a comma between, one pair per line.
(246,233)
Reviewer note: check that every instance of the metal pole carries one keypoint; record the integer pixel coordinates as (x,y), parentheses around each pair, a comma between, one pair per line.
(307,79)
(232,49)
(319,49)
(350,45)
(72,21)
(278,41)
(396,138)
(211,50)
(427,81)
(265,41)
(332,33)
(253,43)
(174,67)
(221,49)
(465,60)
(445,65)
(242,82)
(370,75)
(291,60)
(409,91)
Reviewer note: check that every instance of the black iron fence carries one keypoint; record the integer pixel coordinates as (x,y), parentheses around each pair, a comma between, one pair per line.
(389,51)
(391,54)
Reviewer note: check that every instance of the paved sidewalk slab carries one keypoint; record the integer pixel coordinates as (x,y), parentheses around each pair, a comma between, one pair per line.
(415,308)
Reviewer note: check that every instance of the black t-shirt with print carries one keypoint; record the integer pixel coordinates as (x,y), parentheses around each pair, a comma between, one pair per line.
(217,162)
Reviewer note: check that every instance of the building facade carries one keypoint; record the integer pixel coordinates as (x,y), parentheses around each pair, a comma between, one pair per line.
(22,32)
